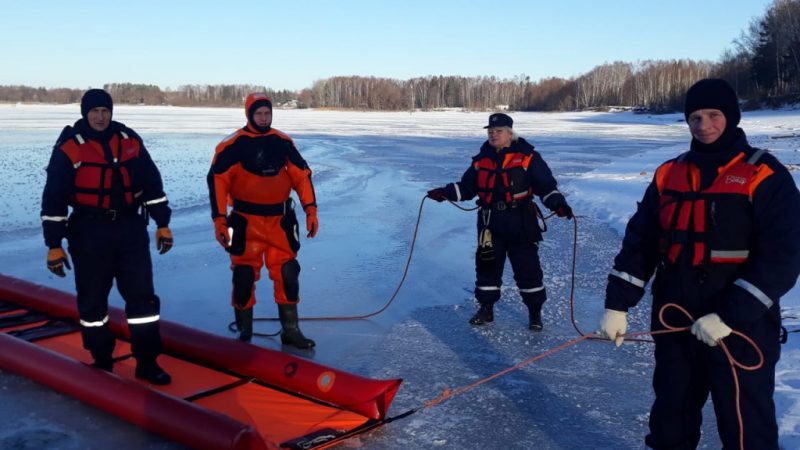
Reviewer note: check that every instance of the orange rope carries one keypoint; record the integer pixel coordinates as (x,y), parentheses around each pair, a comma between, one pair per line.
(450,393)
(572,288)
(232,325)
(731,360)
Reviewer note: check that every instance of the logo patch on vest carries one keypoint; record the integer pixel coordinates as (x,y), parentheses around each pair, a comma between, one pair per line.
(731,179)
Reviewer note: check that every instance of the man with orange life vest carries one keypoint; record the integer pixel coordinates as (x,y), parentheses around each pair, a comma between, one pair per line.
(719,227)
(505,175)
(102,170)
(256,168)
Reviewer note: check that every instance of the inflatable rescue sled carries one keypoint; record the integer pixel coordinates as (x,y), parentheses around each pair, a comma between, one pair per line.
(224,393)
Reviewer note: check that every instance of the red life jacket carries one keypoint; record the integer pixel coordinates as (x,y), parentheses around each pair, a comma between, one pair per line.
(512,172)
(715,223)
(94,173)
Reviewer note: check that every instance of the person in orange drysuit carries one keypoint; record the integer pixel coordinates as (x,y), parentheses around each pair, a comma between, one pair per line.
(254,170)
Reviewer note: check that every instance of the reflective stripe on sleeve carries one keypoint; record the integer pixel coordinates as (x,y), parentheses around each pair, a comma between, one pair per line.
(54,218)
(754,291)
(519,195)
(544,199)
(96,324)
(141,320)
(629,278)
(458,192)
(155,201)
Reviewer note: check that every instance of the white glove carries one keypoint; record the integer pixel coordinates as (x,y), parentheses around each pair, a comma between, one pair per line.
(613,325)
(710,329)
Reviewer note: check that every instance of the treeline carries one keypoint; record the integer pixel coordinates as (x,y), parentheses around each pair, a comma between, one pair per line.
(148,94)
(655,85)
(763,65)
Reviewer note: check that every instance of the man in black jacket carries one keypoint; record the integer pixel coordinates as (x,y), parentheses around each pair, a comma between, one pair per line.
(505,175)
(719,227)
(101,169)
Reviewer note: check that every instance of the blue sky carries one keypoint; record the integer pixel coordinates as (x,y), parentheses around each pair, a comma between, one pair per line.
(289,44)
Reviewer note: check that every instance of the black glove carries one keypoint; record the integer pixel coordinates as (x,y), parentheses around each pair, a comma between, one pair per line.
(437,194)
(564,211)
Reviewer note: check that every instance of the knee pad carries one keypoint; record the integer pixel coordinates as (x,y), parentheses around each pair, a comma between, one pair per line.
(290,271)
(243,279)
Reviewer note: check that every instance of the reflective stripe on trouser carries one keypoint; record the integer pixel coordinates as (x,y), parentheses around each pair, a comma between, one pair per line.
(103,251)
(524,258)
(267,243)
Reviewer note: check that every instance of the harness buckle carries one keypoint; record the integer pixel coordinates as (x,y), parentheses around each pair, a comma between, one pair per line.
(500,206)
(112,214)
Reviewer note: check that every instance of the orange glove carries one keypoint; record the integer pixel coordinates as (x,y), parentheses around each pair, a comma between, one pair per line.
(164,241)
(56,260)
(221,231)
(312,223)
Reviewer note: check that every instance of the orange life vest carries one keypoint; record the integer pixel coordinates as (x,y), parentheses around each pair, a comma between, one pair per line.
(715,223)
(94,173)
(512,172)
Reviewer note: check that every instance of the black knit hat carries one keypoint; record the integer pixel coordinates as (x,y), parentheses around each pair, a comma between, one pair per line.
(713,93)
(500,120)
(95,98)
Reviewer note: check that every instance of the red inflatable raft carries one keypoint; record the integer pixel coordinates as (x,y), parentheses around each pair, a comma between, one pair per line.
(224,394)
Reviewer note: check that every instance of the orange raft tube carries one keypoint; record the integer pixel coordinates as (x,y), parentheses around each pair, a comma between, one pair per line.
(224,394)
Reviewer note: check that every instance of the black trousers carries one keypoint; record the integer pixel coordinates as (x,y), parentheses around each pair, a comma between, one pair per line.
(511,239)
(103,251)
(687,371)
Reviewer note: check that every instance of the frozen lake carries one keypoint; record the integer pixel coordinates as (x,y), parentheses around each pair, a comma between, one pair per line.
(371,170)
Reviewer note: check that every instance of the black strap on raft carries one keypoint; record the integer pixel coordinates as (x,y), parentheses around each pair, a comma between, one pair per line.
(8,306)
(328,437)
(52,328)
(312,440)
(401,415)
(22,318)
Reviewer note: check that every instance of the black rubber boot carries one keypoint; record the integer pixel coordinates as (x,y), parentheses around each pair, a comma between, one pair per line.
(535,318)
(484,315)
(152,372)
(244,323)
(291,334)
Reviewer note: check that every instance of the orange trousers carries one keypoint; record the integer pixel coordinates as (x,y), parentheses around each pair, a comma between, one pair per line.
(272,241)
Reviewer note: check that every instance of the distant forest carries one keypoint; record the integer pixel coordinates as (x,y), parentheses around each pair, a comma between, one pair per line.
(763,65)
